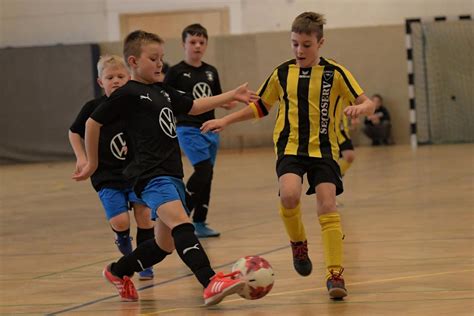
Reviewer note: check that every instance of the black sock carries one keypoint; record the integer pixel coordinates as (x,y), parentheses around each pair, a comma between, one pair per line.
(202,205)
(147,254)
(192,253)
(143,234)
(123,235)
(200,184)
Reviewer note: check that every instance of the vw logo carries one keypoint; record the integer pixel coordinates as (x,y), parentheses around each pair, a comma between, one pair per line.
(118,146)
(168,122)
(201,90)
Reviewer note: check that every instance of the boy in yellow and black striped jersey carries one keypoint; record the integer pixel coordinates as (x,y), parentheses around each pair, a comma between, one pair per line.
(346,148)
(307,90)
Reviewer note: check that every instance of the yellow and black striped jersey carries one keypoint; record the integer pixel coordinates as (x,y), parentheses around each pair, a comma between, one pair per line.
(342,123)
(307,101)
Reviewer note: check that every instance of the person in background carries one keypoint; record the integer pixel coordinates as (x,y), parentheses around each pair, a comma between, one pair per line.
(197,79)
(114,190)
(378,126)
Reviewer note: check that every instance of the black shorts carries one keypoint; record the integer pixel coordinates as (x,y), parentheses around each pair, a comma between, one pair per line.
(346,145)
(318,170)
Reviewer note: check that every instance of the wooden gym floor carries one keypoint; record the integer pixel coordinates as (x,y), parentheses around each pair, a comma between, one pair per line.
(407,217)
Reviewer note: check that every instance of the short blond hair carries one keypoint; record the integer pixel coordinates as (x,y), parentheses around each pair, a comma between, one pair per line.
(107,61)
(308,23)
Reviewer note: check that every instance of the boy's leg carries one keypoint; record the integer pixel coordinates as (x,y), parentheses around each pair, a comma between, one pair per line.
(119,273)
(325,180)
(332,238)
(201,151)
(347,156)
(145,231)
(191,252)
(165,196)
(147,253)
(202,206)
(290,212)
(200,183)
(115,204)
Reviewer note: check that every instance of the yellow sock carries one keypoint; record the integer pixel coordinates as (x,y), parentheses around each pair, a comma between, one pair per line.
(293,223)
(344,165)
(332,241)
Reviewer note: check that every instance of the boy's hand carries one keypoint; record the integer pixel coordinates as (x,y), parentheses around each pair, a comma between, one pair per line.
(85,173)
(243,94)
(354,111)
(355,122)
(215,126)
(80,163)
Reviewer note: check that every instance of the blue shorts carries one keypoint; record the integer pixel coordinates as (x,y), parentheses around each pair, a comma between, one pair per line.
(161,190)
(197,146)
(116,201)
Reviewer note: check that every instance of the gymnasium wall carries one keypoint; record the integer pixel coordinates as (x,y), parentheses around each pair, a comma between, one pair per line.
(44,87)
(374,55)
(35,22)
(42,90)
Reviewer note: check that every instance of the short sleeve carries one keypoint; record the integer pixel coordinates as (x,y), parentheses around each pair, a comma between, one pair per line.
(181,103)
(79,124)
(217,84)
(349,87)
(116,107)
(268,93)
(170,77)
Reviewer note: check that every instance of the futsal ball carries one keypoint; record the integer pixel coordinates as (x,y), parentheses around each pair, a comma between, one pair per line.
(257,274)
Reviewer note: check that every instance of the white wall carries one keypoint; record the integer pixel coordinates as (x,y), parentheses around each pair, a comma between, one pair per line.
(46,22)
(257,16)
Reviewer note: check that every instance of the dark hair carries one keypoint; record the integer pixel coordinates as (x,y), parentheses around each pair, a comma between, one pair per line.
(194,29)
(308,23)
(376,95)
(165,67)
(132,45)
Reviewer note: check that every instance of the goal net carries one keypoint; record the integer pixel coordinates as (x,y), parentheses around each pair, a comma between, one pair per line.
(443,66)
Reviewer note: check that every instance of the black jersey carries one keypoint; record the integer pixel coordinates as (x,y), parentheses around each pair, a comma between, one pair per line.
(149,114)
(112,153)
(199,82)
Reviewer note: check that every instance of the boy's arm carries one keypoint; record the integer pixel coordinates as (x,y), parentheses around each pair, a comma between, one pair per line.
(92,150)
(78,147)
(242,94)
(363,106)
(218,125)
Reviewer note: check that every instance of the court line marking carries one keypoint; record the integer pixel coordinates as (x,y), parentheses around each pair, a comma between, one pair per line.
(71,269)
(155,284)
(315,289)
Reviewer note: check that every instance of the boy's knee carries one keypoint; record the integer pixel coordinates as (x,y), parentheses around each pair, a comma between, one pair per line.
(290,201)
(350,157)
(119,224)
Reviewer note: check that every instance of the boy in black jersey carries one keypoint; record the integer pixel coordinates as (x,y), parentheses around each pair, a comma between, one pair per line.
(307,90)
(115,192)
(199,79)
(148,109)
